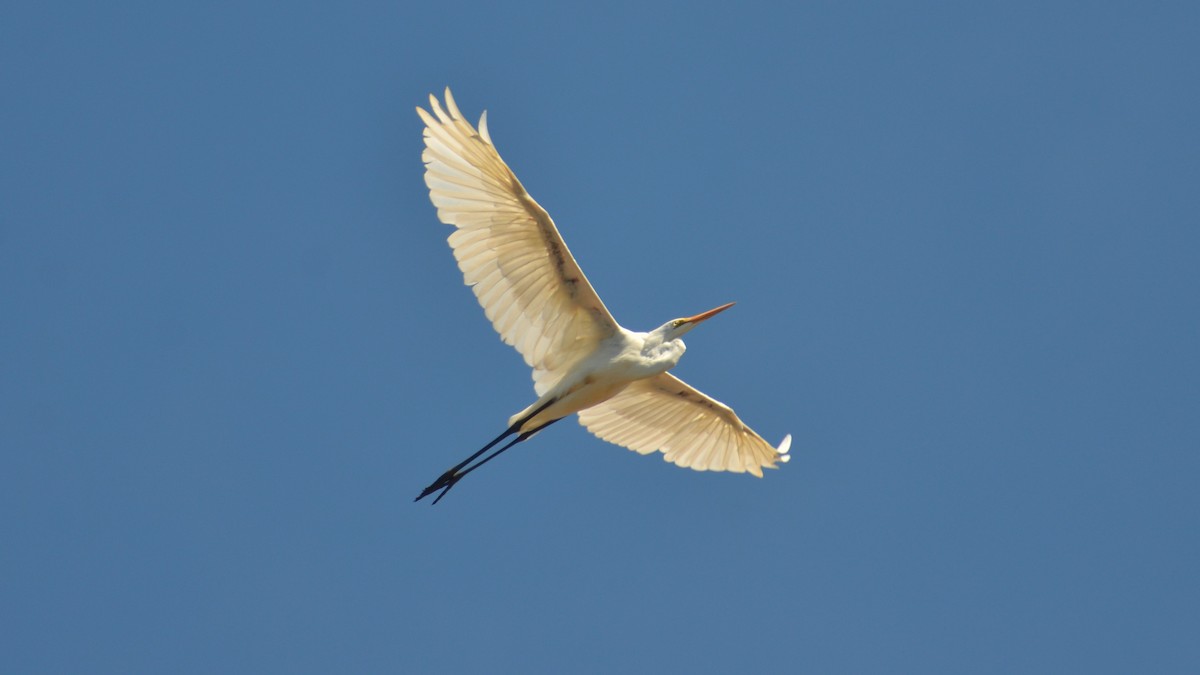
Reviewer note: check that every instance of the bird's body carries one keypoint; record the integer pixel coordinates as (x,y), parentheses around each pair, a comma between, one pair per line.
(623,358)
(538,299)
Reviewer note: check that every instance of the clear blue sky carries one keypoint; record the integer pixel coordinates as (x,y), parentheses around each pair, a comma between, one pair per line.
(964,242)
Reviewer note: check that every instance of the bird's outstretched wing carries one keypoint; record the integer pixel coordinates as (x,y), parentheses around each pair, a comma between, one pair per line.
(508,249)
(691,429)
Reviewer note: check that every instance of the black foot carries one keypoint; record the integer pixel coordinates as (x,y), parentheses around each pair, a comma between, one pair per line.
(452,483)
(446,480)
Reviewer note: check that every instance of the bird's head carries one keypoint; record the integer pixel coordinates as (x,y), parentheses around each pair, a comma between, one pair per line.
(676,328)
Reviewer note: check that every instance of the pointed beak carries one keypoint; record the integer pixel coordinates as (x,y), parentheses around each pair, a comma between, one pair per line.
(704,316)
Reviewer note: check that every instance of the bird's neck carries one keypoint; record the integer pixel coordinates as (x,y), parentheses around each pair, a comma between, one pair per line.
(663,351)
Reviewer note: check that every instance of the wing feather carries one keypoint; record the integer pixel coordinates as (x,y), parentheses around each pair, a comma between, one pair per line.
(662,413)
(508,249)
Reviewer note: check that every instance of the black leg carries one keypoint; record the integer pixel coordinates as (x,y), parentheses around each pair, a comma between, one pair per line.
(450,473)
(453,471)
(453,479)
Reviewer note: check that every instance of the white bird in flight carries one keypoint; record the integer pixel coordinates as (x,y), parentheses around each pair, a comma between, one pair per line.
(539,301)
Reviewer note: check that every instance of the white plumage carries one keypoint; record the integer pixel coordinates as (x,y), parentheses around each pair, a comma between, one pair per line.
(540,302)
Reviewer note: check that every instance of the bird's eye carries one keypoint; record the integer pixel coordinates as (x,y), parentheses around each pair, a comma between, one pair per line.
(677,323)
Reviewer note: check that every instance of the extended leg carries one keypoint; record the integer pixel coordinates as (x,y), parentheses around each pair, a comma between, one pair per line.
(454,470)
(453,480)
(450,473)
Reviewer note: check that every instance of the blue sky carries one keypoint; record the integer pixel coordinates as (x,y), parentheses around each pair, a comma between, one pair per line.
(963,242)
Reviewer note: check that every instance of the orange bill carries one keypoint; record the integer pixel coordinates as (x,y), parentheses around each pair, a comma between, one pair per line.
(709,314)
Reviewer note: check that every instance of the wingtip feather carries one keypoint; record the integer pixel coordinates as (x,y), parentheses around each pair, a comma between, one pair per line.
(782,450)
(483,130)
(451,105)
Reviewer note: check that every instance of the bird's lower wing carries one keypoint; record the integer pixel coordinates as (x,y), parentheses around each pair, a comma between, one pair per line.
(509,250)
(662,413)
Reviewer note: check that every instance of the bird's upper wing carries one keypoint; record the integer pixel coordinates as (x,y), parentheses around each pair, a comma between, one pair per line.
(508,249)
(691,429)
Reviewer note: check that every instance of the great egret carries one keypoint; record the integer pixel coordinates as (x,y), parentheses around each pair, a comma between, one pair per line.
(540,302)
